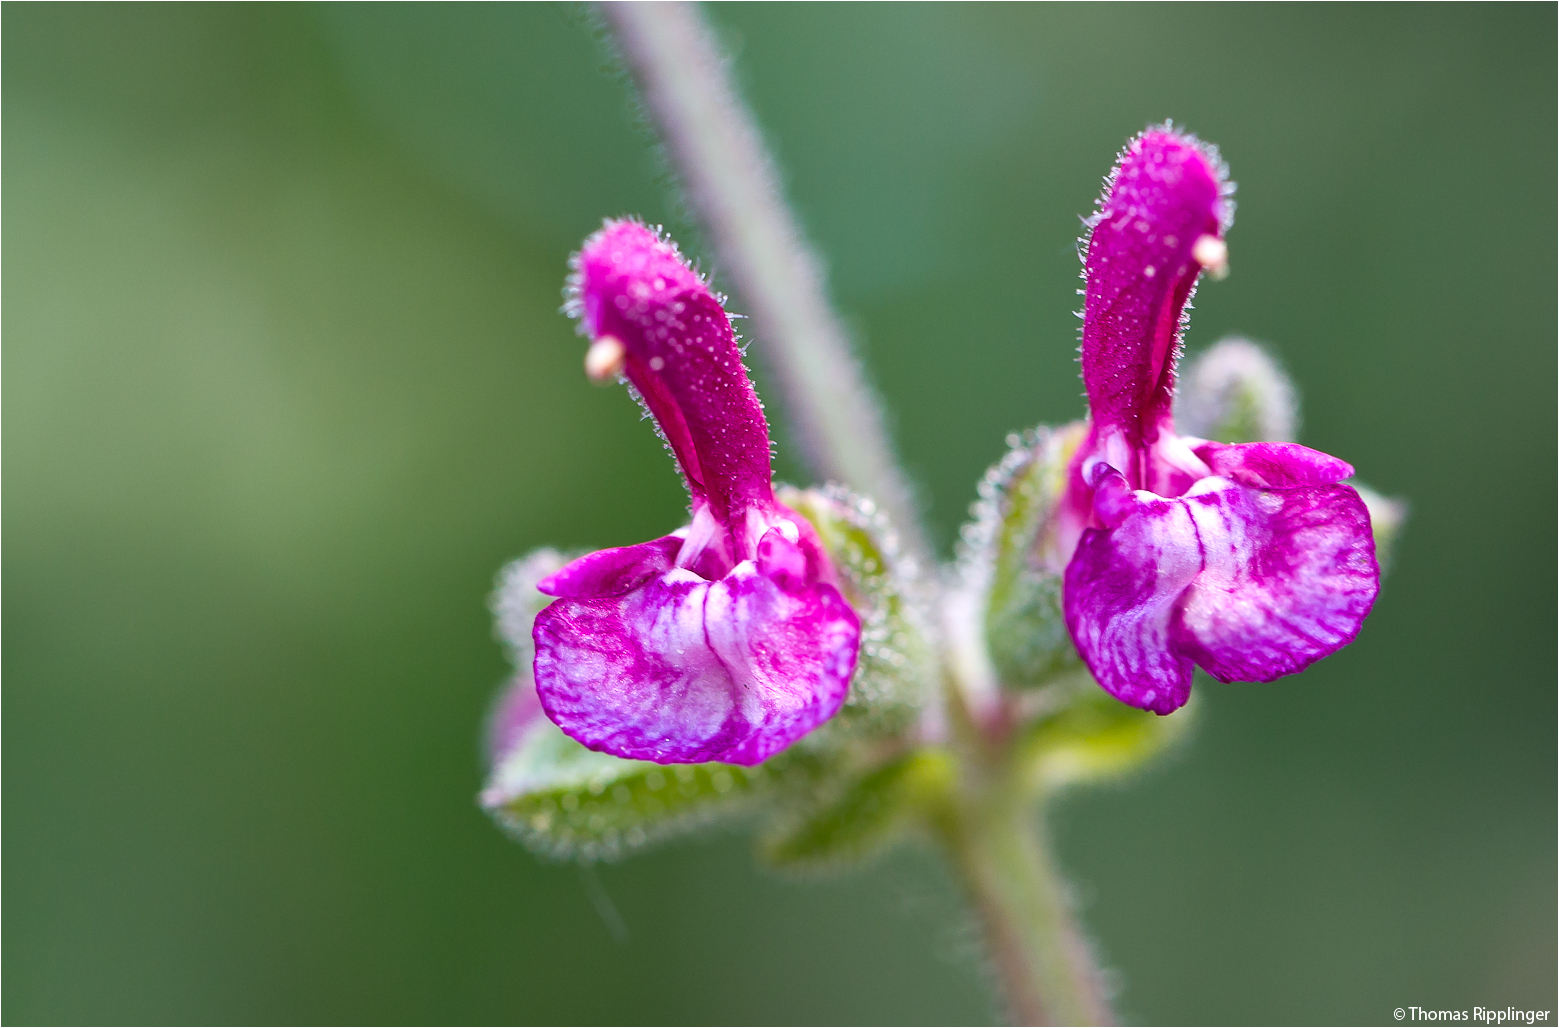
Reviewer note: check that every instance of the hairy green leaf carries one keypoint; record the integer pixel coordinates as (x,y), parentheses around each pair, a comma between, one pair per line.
(865,817)
(565,801)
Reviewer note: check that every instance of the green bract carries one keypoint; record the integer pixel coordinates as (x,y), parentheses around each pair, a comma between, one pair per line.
(867,815)
(1093,737)
(565,801)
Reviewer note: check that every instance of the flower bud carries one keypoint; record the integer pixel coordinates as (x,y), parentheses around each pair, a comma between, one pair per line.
(1236,393)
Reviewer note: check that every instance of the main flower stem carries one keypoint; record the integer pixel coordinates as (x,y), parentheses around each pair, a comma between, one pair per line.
(1045,968)
(992,831)
(732,187)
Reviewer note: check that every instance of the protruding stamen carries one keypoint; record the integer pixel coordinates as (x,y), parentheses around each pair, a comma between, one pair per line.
(1212,253)
(605,358)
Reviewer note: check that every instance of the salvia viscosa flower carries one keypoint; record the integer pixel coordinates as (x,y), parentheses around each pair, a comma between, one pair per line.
(727,640)
(1250,560)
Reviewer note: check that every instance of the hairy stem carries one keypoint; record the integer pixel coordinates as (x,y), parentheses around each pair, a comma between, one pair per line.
(732,187)
(990,830)
(1045,968)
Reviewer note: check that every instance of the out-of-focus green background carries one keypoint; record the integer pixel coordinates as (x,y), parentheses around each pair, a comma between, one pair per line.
(285,384)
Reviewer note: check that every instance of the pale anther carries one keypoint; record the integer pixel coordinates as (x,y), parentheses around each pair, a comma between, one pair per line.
(604,360)
(1212,253)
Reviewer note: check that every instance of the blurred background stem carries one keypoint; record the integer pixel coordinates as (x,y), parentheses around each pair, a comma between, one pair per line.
(733,190)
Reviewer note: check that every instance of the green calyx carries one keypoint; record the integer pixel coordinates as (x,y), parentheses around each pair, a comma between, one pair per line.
(893,672)
(1009,554)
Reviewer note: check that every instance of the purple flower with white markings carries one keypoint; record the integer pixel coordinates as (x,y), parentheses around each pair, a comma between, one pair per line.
(727,640)
(961,702)
(1251,560)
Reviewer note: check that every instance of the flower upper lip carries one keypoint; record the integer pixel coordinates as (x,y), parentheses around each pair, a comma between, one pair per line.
(728,639)
(681,357)
(1168,192)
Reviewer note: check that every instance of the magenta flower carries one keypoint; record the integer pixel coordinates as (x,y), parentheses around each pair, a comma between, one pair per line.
(727,640)
(1250,560)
